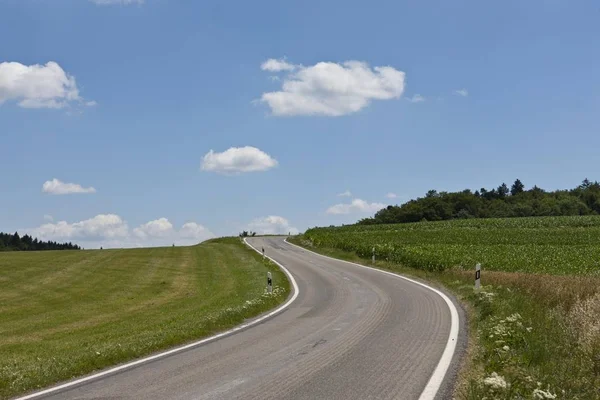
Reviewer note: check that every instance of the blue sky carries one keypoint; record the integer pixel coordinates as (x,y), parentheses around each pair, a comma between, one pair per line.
(137,95)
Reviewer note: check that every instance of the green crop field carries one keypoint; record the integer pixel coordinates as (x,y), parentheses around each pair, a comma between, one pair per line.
(533,324)
(551,245)
(66,313)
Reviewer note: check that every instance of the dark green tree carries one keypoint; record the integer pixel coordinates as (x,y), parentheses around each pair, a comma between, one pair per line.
(15,242)
(495,203)
(503,191)
(517,188)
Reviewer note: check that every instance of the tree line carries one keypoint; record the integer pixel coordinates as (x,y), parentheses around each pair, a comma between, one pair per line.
(247,234)
(14,242)
(500,202)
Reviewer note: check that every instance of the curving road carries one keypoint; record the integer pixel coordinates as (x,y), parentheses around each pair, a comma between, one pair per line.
(351,333)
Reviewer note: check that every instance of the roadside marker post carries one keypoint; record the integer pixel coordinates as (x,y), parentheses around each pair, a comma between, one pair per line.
(269,282)
(373,258)
(477,276)
(263,250)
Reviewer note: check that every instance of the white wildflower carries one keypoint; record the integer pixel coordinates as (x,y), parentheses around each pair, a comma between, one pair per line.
(514,317)
(501,330)
(529,329)
(542,394)
(487,295)
(506,348)
(495,381)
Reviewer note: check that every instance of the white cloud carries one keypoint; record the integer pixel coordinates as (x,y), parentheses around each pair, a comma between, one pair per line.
(161,232)
(57,187)
(121,2)
(332,89)
(37,86)
(91,103)
(49,218)
(197,232)
(272,225)
(103,226)
(110,230)
(462,92)
(347,193)
(356,206)
(417,98)
(157,228)
(391,195)
(238,159)
(274,65)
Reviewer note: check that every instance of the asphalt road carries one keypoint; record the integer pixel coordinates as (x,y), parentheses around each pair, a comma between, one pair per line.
(352,333)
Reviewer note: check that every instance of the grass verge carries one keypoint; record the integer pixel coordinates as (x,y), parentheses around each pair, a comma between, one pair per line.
(68,313)
(532,336)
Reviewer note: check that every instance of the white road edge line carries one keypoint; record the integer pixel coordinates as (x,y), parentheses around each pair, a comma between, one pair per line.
(436,379)
(177,349)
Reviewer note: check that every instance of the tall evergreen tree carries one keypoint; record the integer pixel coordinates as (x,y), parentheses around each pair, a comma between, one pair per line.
(503,191)
(517,187)
(14,242)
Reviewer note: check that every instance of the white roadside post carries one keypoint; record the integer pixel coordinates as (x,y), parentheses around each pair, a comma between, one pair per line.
(269,282)
(477,276)
(373,258)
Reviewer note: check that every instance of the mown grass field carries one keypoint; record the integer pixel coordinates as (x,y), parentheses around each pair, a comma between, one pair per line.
(550,245)
(535,324)
(67,313)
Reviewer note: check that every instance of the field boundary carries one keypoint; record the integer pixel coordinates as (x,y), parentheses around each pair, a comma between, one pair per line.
(180,349)
(439,373)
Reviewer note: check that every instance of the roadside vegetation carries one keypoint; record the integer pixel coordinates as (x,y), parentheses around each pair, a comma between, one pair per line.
(535,322)
(68,313)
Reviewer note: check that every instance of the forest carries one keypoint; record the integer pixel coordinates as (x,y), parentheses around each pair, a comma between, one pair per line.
(14,242)
(500,202)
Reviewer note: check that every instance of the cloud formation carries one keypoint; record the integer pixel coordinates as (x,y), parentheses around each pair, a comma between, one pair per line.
(110,230)
(391,195)
(237,160)
(356,206)
(331,89)
(157,228)
(462,92)
(272,225)
(274,65)
(162,232)
(37,86)
(347,193)
(57,187)
(417,98)
(102,226)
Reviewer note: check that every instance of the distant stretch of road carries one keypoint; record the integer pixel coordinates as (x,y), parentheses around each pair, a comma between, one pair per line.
(351,333)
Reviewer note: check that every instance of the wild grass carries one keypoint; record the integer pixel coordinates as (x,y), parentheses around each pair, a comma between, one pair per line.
(68,313)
